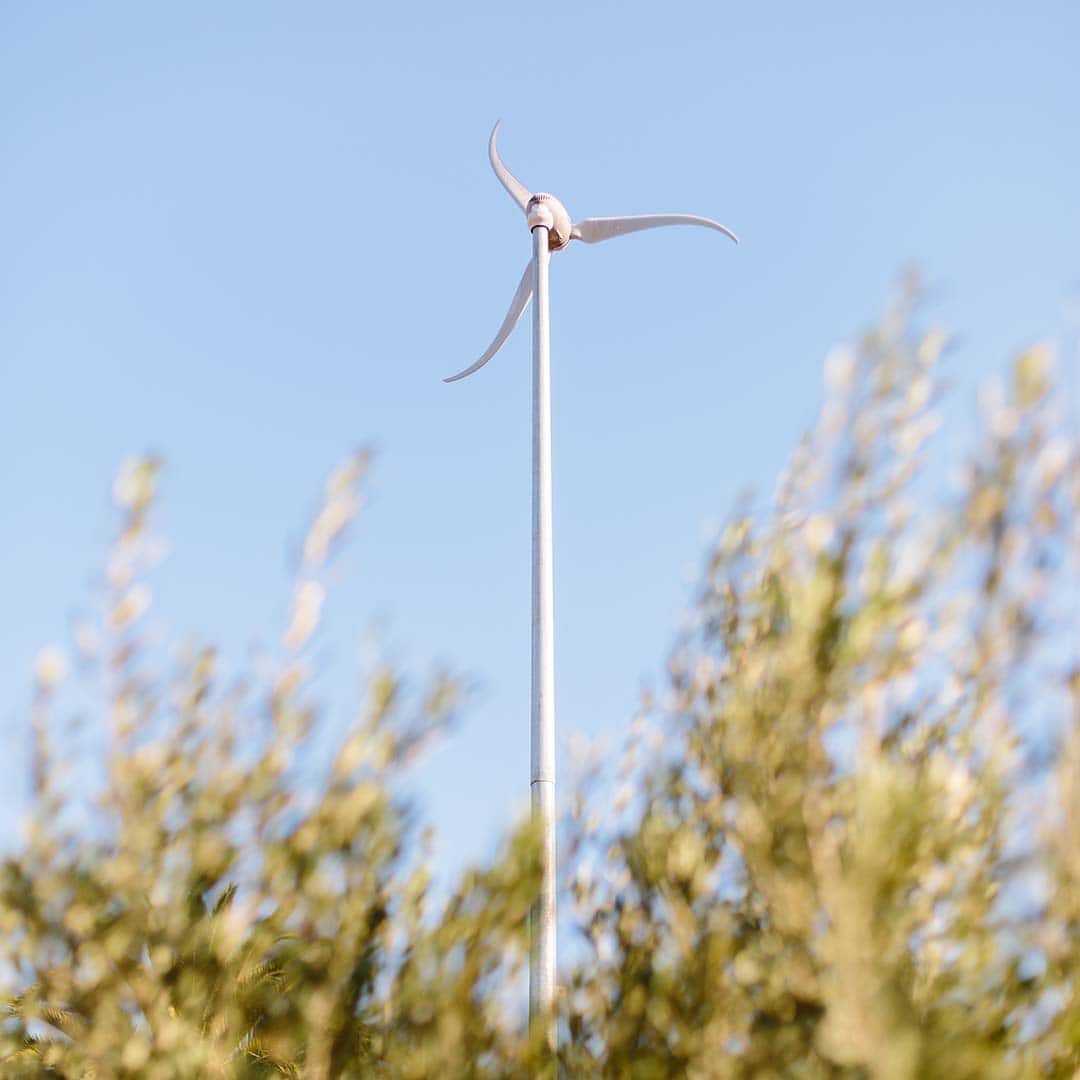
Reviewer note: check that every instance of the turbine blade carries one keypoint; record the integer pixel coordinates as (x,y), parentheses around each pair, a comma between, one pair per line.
(517,307)
(593,230)
(518,192)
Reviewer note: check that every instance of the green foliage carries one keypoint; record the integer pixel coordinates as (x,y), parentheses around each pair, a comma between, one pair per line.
(833,848)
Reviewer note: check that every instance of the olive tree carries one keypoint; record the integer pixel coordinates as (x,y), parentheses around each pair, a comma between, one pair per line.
(844,840)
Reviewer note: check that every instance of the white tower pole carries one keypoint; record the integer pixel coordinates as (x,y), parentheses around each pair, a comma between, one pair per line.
(542,778)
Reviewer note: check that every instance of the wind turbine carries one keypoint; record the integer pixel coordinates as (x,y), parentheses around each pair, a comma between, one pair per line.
(552,230)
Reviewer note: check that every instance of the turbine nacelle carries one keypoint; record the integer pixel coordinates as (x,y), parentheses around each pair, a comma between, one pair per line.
(545,211)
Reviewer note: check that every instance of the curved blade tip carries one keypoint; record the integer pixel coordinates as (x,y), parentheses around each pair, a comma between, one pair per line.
(514,187)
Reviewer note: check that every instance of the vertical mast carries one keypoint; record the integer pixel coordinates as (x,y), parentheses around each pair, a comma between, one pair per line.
(542,922)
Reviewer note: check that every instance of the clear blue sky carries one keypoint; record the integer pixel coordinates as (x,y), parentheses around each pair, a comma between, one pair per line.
(252,236)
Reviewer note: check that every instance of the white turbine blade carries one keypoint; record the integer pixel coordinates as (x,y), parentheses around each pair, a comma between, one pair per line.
(518,192)
(517,307)
(593,230)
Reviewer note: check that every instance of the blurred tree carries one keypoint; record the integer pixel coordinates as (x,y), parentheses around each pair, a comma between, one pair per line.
(837,847)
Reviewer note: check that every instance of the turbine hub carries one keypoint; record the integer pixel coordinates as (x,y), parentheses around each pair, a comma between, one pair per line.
(546,210)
